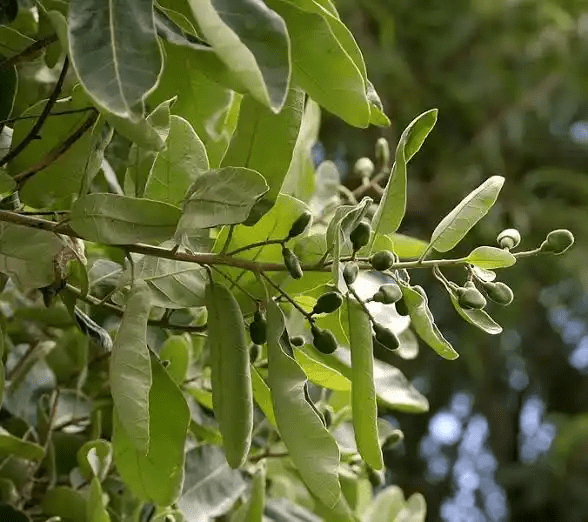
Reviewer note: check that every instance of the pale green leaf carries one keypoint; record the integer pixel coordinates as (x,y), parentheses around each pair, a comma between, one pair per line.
(130,368)
(490,257)
(465,215)
(114,50)
(321,374)
(262,396)
(121,220)
(310,446)
(252,510)
(407,247)
(230,372)
(158,476)
(256,53)
(95,508)
(423,321)
(175,168)
(177,349)
(392,206)
(11,445)
(363,391)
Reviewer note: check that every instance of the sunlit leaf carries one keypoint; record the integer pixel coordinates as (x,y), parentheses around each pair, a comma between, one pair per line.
(490,257)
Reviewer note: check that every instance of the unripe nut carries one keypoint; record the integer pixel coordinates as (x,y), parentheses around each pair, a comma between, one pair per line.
(382,260)
(509,238)
(258,329)
(292,263)
(364,167)
(499,293)
(350,273)
(360,235)
(297,341)
(388,294)
(470,299)
(327,303)
(300,224)
(558,241)
(323,340)
(382,153)
(401,308)
(386,337)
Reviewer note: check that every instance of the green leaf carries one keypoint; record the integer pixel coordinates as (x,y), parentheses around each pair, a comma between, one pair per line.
(7,183)
(8,85)
(221,197)
(11,445)
(264,141)
(95,508)
(211,487)
(256,53)
(392,206)
(389,505)
(66,503)
(321,66)
(407,247)
(177,349)
(158,476)
(95,458)
(120,220)
(173,284)
(130,368)
(120,37)
(423,321)
(465,215)
(230,372)
(262,396)
(363,391)
(310,446)
(478,318)
(175,168)
(321,374)
(490,257)
(252,510)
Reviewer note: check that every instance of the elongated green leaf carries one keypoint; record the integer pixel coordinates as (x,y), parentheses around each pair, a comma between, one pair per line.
(221,197)
(264,141)
(257,54)
(262,396)
(230,372)
(178,165)
(392,206)
(363,390)
(465,215)
(252,510)
(157,476)
(130,368)
(490,257)
(119,37)
(321,374)
(11,445)
(310,446)
(120,220)
(319,55)
(95,508)
(423,322)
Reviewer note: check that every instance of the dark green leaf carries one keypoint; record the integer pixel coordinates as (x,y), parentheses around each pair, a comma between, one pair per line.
(8,11)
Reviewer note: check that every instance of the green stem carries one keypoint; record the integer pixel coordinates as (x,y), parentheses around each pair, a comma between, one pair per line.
(255,245)
(306,314)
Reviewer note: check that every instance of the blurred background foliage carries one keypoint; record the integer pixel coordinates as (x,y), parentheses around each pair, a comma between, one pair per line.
(507,434)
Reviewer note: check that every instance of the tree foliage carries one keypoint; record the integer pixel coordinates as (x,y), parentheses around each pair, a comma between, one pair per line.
(189,311)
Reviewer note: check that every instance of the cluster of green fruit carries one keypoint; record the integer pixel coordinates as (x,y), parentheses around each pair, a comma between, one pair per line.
(291,261)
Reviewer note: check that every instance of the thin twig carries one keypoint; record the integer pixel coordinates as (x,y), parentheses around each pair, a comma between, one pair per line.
(234,283)
(36,128)
(255,245)
(56,113)
(306,314)
(228,240)
(266,455)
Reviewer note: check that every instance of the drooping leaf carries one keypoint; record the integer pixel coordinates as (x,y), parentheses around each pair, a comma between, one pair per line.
(490,257)
(318,54)
(120,37)
(211,486)
(130,368)
(120,220)
(175,168)
(363,390)
(157,476)
(392,206)
(453,227)
(11,445)
(230,372)
(252,510)
(256,53)
(423,321)
(221,197)
(264,141)
(310,446)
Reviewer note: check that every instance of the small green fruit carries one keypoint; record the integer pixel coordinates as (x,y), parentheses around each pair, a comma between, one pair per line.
(292,263)
(509,238)
(382,153)
(299,225)
(258,328)
(297,340)
(364,168)
(401,308)
(360,235)
(558,241)
(350,273)
(327,303)
(499,293)
(388,294)
(470,298)
(382,260)
(254,352)
(386,337)
(323,340)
